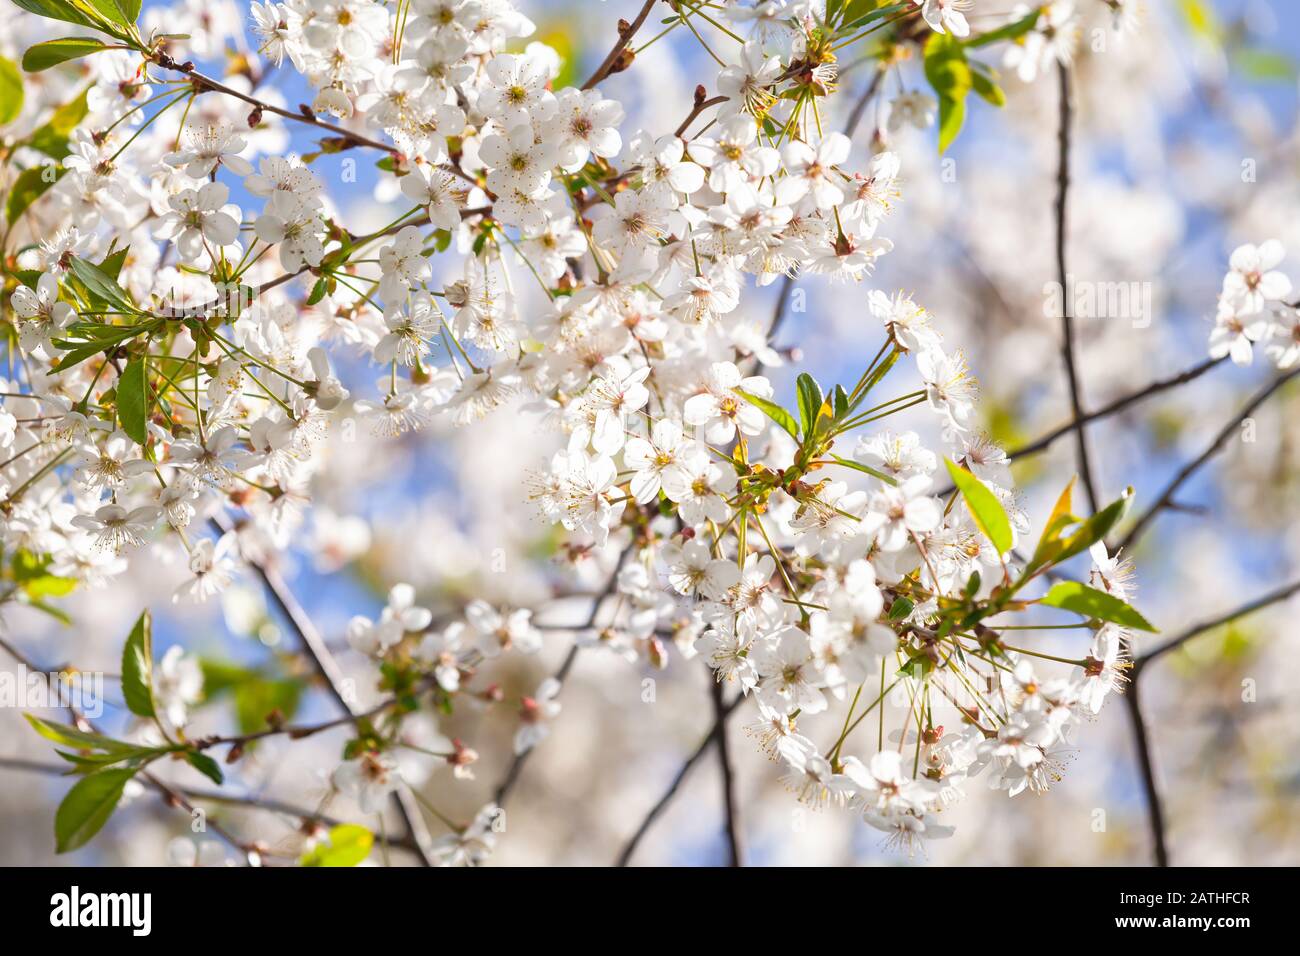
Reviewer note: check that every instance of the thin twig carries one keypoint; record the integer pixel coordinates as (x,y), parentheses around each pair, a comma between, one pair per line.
(624,38)
(1273,597)
(517,764)
(1067,319)
(1155,809)
(718,727)
(250,802)
(327,667)
(1221,439)
(735,855)
(1118,405)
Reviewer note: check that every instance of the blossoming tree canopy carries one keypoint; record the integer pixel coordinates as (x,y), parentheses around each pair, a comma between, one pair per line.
(179,298)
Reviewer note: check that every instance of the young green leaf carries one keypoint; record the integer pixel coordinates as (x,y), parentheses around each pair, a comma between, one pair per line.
(56,10)
(900,609)
(348,845)
(950,76)
(101,285)
(11,91)
(986,87)
(840,401)
(52,138)
(133,400)
(1091,603)
(87,807)
(31,185)
(42,56)
(205,765)
(989,515)
(68,736)
(1055,547)
(773,411)
(810,401)
(137,667)
(1011,31)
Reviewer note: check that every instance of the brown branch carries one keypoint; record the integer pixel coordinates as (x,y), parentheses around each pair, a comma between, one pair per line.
(1273,597)
(625,33)
(169,793)
(204,83)
(1155,809)
(702,103)
(719,726)
(250,802)
(1118,405)
(1221,439)
(327,667)
(734,845)
(1067,319)
(517,764)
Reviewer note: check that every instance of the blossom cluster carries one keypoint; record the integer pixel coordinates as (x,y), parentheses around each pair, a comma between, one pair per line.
(1253,309)
(176,383)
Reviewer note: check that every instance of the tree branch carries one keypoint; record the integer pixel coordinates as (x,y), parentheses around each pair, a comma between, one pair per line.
(1067,319)
(625,34)
(1155,810)
(517,764)
(250,802)
(734,845)
(1221,439)
(718,727)
(1273,597)
(1118,405)
(327,667)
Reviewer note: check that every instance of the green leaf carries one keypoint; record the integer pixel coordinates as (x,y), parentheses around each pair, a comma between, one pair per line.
(990,517)
(87,807)
(855,18)
(1091,603)
(137,667)
(112,264)
(986,87)
(950,76)
(52,138)
(75,353)
(1055,546)
(48,586)
(858,466)
(772,411)
(11,91)
(115,11)
(900,609)
(1012,31)
(810,401)
(348,845)
(1257,64)
(205,765)
(840,401)
(254,694)
(56,10)
(68,736)
(101,286)
(133,400)
(31,185)
(42,56)
(318,290)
